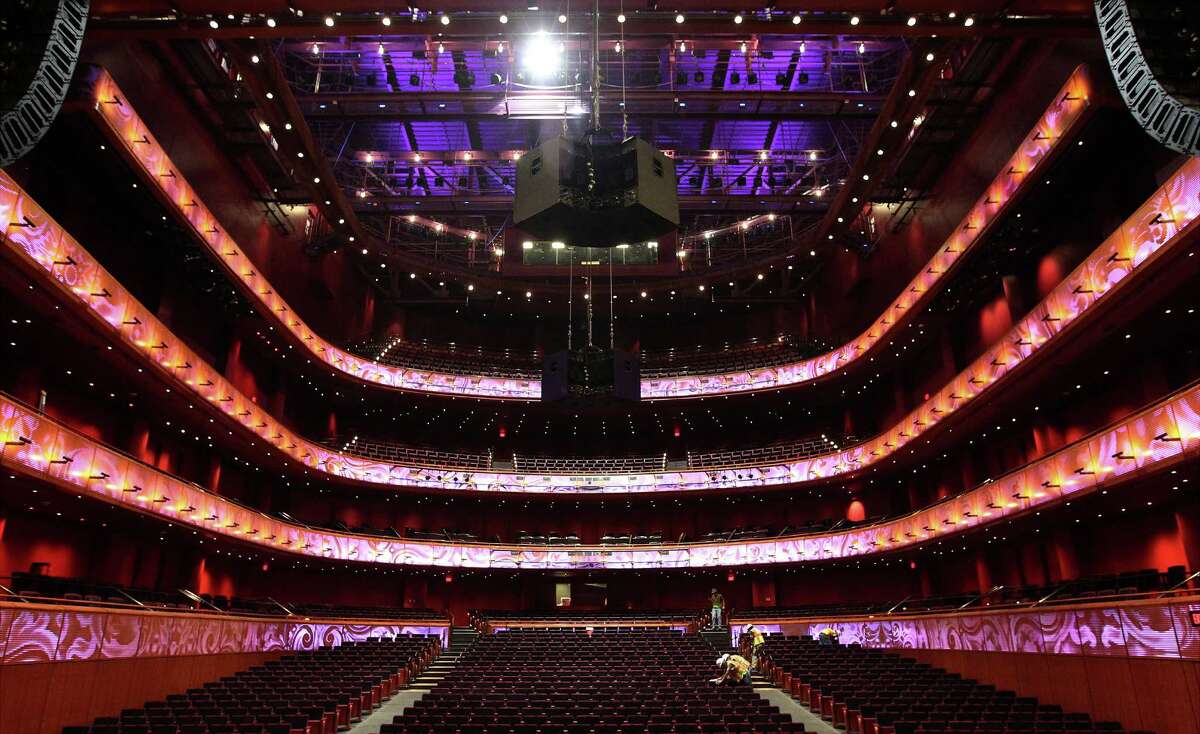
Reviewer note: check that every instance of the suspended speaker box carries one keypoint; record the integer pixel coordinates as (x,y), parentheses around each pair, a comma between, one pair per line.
(592,373)
(596,192)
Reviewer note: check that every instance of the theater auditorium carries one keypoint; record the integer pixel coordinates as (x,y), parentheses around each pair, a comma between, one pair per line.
(599,367)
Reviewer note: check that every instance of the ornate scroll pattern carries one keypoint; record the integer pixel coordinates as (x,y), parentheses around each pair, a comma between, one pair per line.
(1150,629)
(1158,226)
(38,446)
(34,633)
(114,111)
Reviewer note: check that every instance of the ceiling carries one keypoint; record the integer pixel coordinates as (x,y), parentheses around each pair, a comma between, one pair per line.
(406,123)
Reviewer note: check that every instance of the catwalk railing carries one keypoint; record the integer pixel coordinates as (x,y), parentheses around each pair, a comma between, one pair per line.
(1152,440)
(37,244)
(134,139)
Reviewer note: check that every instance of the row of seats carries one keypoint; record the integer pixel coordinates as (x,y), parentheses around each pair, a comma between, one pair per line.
(560,616)
(71,590)
(317,692)
(868,691)
(703,359)
(576,682)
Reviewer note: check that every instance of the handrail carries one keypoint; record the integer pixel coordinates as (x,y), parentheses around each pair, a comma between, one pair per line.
(1181,584)
(1138,599)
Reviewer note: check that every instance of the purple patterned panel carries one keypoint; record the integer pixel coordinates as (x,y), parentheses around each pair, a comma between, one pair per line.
(1158,629)
(82,636)
(122,636)
(33,636)
(1100,632)
(1149,632)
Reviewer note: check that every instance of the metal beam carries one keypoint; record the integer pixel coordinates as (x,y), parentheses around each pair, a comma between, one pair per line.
(483,26)
(496,203)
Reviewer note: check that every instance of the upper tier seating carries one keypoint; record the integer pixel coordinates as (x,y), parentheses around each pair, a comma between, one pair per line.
(583,616)
(390,451)
(451,359)
(866,691)
(67,590)
(316,692)
(674,362)
(750,355)
(571,682)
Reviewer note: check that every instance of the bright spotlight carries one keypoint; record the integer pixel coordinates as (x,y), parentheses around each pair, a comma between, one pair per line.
(542,57)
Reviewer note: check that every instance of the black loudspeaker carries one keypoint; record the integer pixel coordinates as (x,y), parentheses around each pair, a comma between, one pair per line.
(554,376)
(37,59)
(591,373)
(594,192)
(627,376)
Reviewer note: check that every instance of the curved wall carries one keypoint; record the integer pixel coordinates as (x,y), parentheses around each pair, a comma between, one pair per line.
(1156,438)
(1163,223)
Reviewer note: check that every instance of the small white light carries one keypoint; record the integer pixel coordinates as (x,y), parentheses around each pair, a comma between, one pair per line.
(621,18)
(470,287)
(503,19)
(528,294)
(270,22)
(254,59)
(854,20)
(912,21)
(679,18)
(862,48)
(287,126)
(526,245)
(316,179)
(214,24)
(329,21)
(445,19)
(929,56)
(643,294)
(270,95)
(562,18)
(738,19)
(386,20)
(796,19)
(969,22)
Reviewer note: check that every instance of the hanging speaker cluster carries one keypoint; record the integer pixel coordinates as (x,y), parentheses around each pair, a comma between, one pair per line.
(1153,49)
(40,48)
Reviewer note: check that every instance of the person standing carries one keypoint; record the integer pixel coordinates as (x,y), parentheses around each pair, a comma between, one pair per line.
(756,643)
(717,603)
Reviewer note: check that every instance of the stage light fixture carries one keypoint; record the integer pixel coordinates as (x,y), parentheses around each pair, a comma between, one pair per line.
(328,21)
(503,19)
(621,18)
(679,18)
(738,19)
(445,19)
(541,58)
(270,22)
(386,20)
(796,19)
